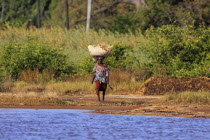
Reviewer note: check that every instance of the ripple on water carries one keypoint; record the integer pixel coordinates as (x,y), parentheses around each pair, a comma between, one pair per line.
(78,124)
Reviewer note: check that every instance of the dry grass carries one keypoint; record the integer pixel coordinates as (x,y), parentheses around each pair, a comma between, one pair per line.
(31,98)
(188,97)
(124,82)
(24,87)
(34,76)
(120,81)
(7,85)
(70,87)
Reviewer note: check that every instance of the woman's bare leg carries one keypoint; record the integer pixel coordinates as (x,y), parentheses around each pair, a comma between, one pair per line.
(97,92)
(104,92)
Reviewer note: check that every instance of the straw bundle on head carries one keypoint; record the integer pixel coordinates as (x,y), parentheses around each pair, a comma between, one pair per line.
(105,46)
(102,50)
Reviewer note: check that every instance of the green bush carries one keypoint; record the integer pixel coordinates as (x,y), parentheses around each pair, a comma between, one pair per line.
(120,57)
(178,51)
(85,66)
(126,23)
(19,57)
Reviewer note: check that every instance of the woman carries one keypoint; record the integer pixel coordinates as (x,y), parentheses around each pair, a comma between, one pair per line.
(100,77)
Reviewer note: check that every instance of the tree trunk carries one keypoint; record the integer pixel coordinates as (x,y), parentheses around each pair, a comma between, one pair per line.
(2,11)
(38,14)
(88,15)
(67,14)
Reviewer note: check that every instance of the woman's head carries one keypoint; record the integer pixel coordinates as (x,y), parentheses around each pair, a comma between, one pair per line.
(100,59)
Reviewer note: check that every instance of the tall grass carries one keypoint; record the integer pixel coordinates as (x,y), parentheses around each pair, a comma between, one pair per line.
(188,97)
(74,41)
(74,38)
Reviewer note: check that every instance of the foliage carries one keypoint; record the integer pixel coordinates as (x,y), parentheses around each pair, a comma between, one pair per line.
(194,13)
(156,16)
(22,12)
(15,12)
(122,18)
(120,57)
(125,23)
(84,67)
(19,57)
(179,51)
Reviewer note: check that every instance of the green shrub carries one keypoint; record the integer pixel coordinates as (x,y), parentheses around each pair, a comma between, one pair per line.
(125,23)
(120,57)
(85,66)
(178,51)
(19,57)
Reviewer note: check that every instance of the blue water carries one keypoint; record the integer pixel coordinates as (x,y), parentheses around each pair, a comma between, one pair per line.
(65,124)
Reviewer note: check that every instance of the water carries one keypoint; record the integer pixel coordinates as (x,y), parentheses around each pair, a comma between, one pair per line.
(65,124)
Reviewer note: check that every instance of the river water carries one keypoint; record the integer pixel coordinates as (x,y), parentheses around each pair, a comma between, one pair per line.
(67,124)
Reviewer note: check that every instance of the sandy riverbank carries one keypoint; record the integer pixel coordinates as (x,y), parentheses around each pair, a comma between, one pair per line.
(127,105)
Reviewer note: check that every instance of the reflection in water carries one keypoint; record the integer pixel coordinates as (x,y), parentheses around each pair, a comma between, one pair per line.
(76,125)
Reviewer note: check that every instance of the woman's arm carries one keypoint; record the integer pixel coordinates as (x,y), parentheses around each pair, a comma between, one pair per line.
(93,77)
(108,79)
(94,73)
(107,75)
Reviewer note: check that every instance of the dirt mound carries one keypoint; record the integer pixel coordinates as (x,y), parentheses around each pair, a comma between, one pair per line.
(162,85)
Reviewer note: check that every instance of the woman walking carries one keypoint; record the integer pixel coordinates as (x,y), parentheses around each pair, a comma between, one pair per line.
(100,77)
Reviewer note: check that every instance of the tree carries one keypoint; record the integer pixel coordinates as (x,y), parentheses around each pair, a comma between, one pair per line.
(88,15)
(2,10)
(67,14)
(38,14)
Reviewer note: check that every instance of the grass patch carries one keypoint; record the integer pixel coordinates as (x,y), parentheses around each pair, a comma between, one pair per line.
(124,81)
(70,87)
(31,98)
(188,97)
(24,87)
(120,81)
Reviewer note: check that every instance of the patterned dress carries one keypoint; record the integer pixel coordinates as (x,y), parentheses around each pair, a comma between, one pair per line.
(101,73)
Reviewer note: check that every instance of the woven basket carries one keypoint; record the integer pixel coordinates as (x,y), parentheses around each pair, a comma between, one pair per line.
(99,50)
